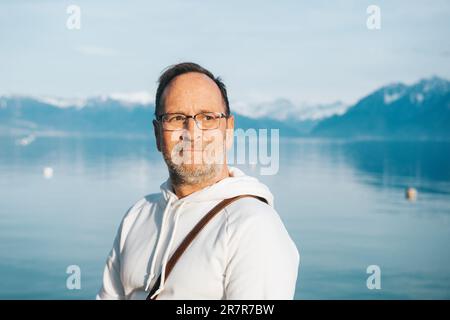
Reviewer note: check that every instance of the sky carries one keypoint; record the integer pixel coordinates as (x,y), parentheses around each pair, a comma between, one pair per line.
(305,51)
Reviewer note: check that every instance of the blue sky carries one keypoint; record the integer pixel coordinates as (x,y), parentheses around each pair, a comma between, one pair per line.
(310,51)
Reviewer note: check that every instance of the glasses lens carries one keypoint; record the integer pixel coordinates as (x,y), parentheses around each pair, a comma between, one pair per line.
(173,121)
(205,121)
(208,121)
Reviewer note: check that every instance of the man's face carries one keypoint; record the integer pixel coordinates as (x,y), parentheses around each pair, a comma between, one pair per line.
(191,154)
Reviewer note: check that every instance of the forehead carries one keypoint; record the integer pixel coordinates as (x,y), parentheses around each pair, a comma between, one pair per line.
(192,92)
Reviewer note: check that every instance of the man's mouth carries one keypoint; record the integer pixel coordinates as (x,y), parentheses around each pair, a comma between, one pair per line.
(191,149)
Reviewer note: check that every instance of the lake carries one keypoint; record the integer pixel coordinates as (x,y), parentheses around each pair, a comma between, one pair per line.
(343,203)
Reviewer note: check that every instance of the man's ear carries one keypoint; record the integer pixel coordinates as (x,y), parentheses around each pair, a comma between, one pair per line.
(156,129)
(229,132)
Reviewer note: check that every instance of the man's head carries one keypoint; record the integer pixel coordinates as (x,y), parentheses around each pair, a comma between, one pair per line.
(194,150)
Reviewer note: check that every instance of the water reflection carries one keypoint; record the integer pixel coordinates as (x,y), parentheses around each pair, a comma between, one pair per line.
(342,202)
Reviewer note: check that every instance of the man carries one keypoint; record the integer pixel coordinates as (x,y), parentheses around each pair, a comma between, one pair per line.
(244,252)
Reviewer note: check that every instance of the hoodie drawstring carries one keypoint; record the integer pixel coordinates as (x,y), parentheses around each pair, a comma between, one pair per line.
(167,252)
(158,245)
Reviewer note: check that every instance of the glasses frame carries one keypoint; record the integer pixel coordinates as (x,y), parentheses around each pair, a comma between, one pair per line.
(219,115)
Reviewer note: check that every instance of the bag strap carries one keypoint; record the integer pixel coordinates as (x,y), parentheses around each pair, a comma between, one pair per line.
(192,234)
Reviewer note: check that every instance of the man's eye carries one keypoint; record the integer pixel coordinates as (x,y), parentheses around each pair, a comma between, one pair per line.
(208,117)
(176,118)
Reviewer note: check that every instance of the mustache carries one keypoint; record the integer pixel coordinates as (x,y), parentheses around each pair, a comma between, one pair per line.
(199,145)
(194,147)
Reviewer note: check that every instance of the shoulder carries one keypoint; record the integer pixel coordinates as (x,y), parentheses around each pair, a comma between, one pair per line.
(254,226)
(145,202)
(249,214)
(139,208)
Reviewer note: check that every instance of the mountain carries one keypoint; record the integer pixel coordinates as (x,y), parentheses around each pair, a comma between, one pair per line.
(284,110)
(113,114)
(97,115)
(300,118)
(420,110)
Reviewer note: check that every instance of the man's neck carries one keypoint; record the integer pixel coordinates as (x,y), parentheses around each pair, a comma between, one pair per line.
(183,190)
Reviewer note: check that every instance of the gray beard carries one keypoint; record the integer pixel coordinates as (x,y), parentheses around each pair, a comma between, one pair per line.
(184,175)
(180,174)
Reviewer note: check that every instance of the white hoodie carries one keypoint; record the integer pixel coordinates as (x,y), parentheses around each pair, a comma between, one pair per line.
(244,252)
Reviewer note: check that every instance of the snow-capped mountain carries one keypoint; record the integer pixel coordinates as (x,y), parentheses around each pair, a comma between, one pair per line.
(130,99)
(283,109)
(418,92)
(396,110)
(279,109)
(106,114)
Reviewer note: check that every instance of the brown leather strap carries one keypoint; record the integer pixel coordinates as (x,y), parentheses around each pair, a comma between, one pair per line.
(191,235)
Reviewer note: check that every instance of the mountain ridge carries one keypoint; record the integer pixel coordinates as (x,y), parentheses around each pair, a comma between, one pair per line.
(397,110)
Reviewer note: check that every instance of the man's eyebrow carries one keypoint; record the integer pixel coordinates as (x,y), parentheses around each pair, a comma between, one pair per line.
(200,111)
(205,110)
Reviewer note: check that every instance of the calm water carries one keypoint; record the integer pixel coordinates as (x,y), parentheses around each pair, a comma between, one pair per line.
(342,202)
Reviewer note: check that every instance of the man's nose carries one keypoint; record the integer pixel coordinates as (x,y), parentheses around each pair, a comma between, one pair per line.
(190,125)
(191,131)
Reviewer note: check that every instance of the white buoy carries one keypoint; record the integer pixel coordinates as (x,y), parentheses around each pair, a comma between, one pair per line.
(411,194)
(48,172)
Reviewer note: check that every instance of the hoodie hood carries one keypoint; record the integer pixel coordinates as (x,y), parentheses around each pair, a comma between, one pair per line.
(236,184)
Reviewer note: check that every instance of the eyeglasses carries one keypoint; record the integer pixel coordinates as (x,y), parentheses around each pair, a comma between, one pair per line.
(204,120)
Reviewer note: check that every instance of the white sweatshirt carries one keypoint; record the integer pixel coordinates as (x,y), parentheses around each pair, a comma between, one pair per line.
(244,252)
